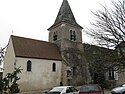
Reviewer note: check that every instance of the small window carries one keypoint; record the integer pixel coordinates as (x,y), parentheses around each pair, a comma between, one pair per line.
(72,35)
(55,36)
(68,73)
(74,70)
(54,67)
(29,64)
(111,75)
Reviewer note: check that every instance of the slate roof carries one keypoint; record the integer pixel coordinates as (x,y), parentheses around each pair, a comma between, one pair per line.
(31,48)
(65,15)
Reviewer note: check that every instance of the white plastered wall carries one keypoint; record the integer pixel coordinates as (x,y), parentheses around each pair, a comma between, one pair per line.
(41,75)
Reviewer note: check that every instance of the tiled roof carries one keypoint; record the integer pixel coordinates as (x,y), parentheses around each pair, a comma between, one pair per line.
(30,48)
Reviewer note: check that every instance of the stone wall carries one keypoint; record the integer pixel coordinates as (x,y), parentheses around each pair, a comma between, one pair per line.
(121,78)
(72,53)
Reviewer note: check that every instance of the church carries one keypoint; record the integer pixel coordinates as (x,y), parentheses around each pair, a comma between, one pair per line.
(46,64)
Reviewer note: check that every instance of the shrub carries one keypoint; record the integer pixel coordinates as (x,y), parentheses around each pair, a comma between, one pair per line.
(8,85)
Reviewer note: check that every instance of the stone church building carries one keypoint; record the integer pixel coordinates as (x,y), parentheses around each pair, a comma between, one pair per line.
(47,64)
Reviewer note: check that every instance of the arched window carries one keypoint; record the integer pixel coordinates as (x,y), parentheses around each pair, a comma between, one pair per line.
(72,35)
(54,67)
(68,73)
(29,65)
(55,36)
(111,75)
(74,70)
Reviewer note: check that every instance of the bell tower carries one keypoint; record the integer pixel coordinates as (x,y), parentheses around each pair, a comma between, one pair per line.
(65,26)
(66,33)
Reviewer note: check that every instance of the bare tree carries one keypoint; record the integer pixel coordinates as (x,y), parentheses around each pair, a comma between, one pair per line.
(109,29)
(2,53)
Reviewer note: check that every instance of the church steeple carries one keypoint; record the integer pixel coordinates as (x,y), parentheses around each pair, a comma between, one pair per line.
(65,26)
(67,35)
(65,15)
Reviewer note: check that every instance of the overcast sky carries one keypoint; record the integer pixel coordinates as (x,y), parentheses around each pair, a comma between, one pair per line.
(32,18)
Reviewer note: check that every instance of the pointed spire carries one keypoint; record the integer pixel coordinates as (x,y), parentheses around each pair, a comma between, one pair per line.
(65,15)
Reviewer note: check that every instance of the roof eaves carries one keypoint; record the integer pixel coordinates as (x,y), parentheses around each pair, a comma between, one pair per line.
(59,59)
